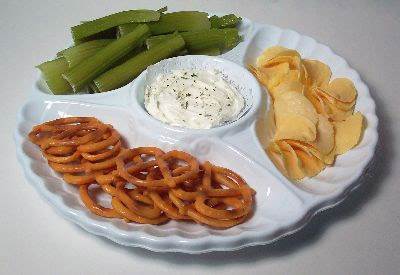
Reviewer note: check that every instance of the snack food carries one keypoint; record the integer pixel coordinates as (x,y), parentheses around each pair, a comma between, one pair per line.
(111,51)
(311,117)
(146,185)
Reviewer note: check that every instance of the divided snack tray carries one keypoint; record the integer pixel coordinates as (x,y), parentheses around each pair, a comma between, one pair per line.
(281,207)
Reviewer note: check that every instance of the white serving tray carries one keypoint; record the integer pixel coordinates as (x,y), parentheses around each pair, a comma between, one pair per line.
(281,208)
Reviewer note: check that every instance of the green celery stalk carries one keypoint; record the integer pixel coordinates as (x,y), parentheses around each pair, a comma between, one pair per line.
(93,27)
(75,55)
(124,29)
(155,40)
(180,21)
(52,75)
(200,40)
(226,21)
(232,38)
(123,74)
(170,22)
(60,53)
(223,39)
(90,68)
(93,88)
(181,52)
(131,54)
(107,34)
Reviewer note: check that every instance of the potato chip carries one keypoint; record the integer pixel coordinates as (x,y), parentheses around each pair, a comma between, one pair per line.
(268,54)
(293,61)
(273,52)
(337,114)
(329,106)
(289,52)
(348,133)
(303,74)
(325,140)
(308,148)
(287,86)
(292,163)
(342,89)
(292,75)
(270,120)
(330,158)
(289,82)
(339,104)
(295,103)
(271,77)
(276,156)
(318,73)
(294,127)
(345,106)
(295,117)
(257,74)
(311,165)
(310,119)
(316,100)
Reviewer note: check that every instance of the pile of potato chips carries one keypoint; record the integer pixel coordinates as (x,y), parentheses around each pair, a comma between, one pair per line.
(311,118)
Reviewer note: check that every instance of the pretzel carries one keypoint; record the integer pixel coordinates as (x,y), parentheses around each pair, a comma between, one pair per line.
(146,184)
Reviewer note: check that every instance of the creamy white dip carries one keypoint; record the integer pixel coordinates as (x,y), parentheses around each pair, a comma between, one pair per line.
(193,99)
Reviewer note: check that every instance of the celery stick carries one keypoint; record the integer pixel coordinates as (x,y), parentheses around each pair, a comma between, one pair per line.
(200,40)
(60,53)
(223,39)
(51,74)
(226,21)
(125,29)
(175,21)
(107,34)
(129,70)
(181,52)
(131,54)
(90,28)
(208,51)
(79,76)
(232,38)
(180,21)
(214,20)
(93,88)
(155,40)
(77,54)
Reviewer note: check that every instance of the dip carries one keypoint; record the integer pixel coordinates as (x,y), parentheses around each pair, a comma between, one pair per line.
(193,99)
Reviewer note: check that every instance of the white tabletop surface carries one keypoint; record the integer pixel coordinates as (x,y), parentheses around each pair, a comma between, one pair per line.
(360,236)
